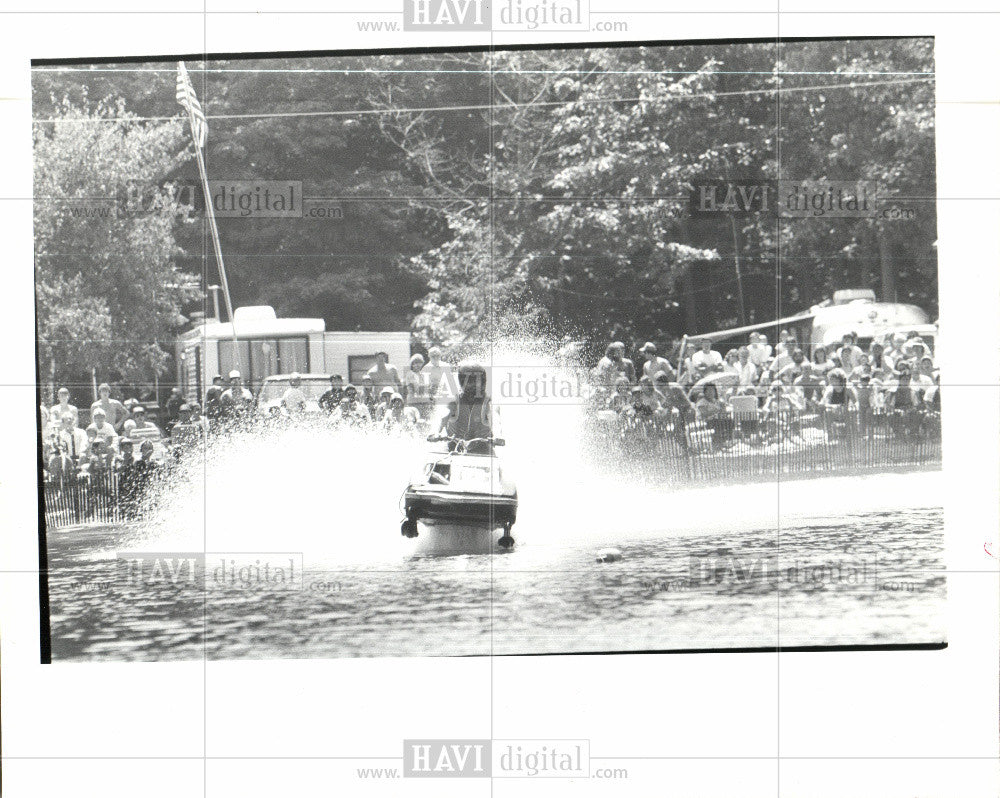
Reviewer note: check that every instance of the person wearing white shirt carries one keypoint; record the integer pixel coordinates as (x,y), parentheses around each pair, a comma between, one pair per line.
(58,410)
(654,363)
(417,386)
(760,350)
(293,400)
(850,355)
(71,439)
(706,359)
(102,429)
(747,371)
(441,384)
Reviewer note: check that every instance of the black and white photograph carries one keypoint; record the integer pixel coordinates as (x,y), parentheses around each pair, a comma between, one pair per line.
(462,352)
(500,398)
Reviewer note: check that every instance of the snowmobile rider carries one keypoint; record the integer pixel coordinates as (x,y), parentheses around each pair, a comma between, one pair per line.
(470,415)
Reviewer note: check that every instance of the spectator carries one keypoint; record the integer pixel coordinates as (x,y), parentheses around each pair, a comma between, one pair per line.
(838,396)
(905,403)
(398,417)
(868,402)
(621,399)
(368,397)
(924,381)
(783,347)
(359,410)
(613,365)
(213,409)
(145,468)
(746,369)
(140,423)
(673,397)
(126,453)
(350,412)
(213,405)
(293,400)
(382,406)
(197,418)
(125,465)
(821,362)
(101,458)
(675,403)
(849,353)
(731,364)
(863,368)
(236,401)
(646,402)
(654,363)
(417,387)
(442,386)
(331,398)
(901,395)
(384,374)
(103,431)
(708,406)
(114,411)
(780,401)
(809,384)
(794,368)
(706,360)
(710,410)
(71,439)
(876,356)
(186,431)
(174,402)
(915,350)
(63,406)
(894,354)
(760,351)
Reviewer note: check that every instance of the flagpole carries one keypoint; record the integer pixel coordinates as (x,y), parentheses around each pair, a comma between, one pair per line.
(210,212)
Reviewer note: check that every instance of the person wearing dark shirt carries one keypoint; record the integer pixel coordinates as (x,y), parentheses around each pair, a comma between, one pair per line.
(173,406)
(236,401)
(331,398)
(125,467)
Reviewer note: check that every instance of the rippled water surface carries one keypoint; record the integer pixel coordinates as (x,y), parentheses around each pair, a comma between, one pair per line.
(804,562)
(866,578)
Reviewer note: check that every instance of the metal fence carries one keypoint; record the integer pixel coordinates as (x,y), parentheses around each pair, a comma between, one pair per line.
(743,447)
(105,498)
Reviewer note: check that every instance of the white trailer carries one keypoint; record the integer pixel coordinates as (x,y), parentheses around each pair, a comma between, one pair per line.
(267,345)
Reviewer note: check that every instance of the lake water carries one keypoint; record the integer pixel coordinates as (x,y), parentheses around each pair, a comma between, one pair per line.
(865,577)
(806,562)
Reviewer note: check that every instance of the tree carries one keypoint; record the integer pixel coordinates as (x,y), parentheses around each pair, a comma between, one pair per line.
(108,291)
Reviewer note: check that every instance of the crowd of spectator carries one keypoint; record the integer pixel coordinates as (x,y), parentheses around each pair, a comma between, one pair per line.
(893,382)
(384,399)
(117,437)
(687,391)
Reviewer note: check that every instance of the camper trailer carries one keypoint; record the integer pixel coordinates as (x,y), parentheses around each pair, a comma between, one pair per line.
(265,345)
(849,311)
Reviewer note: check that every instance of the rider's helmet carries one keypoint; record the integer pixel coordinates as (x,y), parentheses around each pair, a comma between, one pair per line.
(472,381)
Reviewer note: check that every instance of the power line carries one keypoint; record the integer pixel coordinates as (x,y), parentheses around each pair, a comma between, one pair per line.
(505,106)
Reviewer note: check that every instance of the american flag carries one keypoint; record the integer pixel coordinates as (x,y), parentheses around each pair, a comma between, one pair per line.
(189,100)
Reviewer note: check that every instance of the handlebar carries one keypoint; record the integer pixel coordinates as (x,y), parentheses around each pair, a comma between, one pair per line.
(455,439)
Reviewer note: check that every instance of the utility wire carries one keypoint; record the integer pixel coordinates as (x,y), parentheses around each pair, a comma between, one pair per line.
(503,106)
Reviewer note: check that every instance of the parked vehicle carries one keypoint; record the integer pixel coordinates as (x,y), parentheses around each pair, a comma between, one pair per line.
(313,386)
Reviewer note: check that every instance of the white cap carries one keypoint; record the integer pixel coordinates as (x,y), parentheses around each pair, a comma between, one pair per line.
(234,375)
